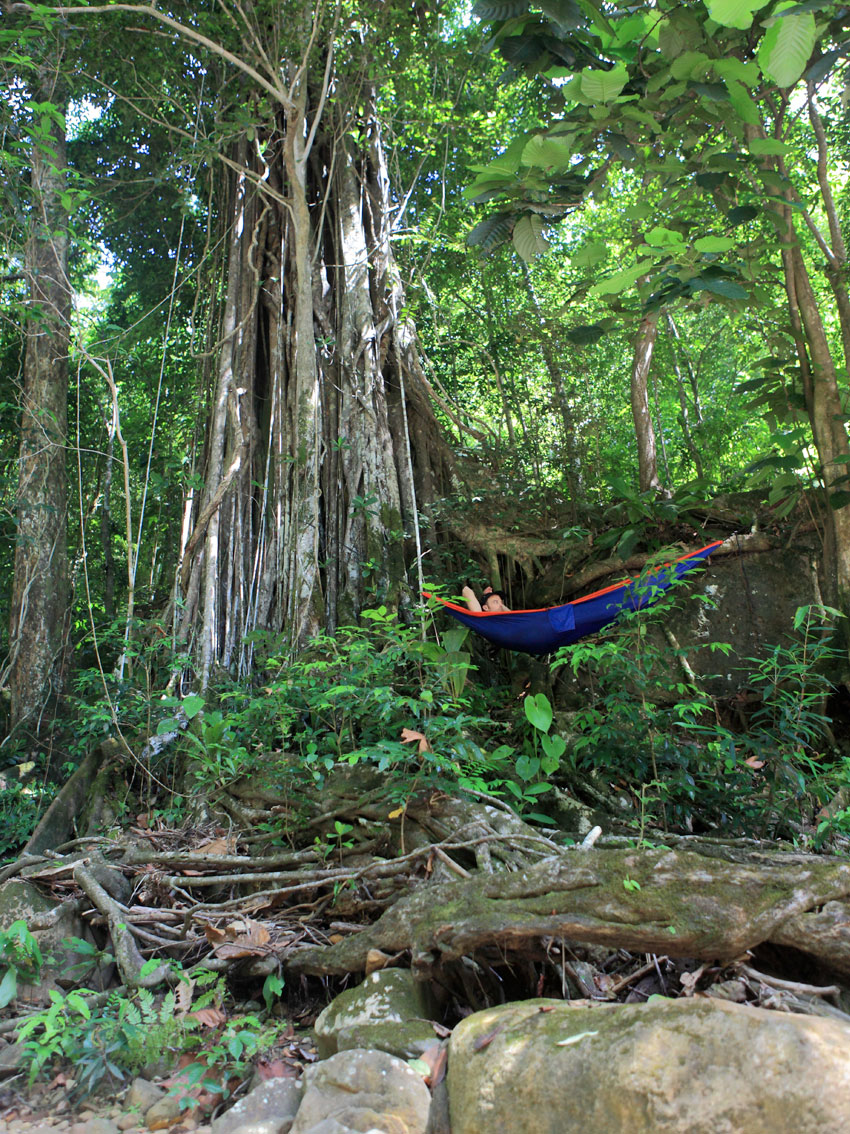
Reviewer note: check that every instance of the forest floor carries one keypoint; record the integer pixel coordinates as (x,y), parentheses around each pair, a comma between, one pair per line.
(483,907)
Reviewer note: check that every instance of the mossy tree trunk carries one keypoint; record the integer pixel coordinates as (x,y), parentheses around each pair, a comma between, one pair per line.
(39,606)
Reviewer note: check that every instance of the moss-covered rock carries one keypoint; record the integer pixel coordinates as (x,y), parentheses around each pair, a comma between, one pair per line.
(407,1039)
(672,1066)
(387,996)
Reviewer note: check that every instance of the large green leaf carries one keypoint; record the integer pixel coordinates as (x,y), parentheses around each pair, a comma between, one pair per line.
(499,9)
(661,237)
(787,46)
(528,237)
(726,288)
(490,232)
(603,86)
(620,281)
(741,214)
(714,243)
(538,710)
(732,68)
(734,13)
(547,153)
(762,146)
(744,106)
(566,14)
(589,255)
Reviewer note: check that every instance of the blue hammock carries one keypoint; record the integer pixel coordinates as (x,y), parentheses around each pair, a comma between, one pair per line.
(542,631)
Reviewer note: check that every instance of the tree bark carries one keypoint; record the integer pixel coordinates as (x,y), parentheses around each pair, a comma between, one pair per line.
(323,448)
(40,590)
(644,431)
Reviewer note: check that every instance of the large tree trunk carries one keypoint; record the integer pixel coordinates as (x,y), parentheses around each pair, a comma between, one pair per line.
(39,604)
(323,451)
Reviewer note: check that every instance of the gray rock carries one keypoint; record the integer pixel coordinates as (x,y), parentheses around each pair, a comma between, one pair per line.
(269,1109)
(361,1091)
(142,1095)
(384,996)
(95,1126)
(665,1067)
(11,1057)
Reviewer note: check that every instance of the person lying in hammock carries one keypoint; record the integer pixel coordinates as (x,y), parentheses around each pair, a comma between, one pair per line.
(491,601)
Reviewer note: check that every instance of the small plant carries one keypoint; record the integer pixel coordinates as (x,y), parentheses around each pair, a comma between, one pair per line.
(20,958)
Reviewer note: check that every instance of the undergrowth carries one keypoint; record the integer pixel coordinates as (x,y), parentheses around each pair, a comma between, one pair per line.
(382,695)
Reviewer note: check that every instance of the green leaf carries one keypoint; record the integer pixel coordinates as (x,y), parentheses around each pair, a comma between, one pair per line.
(787,46)
(620,281)
(538,710)
(528,237)
(565,13)
(836,500)
(589,255)
(734,13)
(167,725)
(499,9)
(742,104)
(603,86)
(741,214)
(737,70)
(547,152)
(728,289)
(192,705)
(554,745)
(586,334)
(714,243)
(491,232)
(661,237)
(527,767)
(761,146)
(8,987)
(690,65)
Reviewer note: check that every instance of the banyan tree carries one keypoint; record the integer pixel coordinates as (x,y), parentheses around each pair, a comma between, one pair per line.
(322,455)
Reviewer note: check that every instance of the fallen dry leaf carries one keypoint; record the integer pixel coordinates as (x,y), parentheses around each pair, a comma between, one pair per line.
(435,1058)
(214,935)
(209,1017)
(485,1041)
(376,960)
(183,995)
(217,846)
(408,736)
(752,762)
(274,1069)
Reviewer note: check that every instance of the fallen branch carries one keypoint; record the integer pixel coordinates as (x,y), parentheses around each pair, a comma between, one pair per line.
(127,956)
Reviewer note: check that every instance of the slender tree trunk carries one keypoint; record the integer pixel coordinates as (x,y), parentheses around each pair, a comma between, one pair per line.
(836,267)
(683,397)
(823,403)
(39,606)
(644,431)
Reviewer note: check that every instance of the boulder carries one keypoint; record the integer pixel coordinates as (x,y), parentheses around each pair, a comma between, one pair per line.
(269,1109)
(389,995)
(664,1067)
(363,1090)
